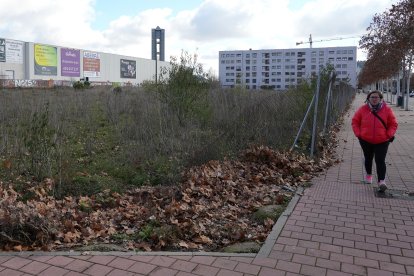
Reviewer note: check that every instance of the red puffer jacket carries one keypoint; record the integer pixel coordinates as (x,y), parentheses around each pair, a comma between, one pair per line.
(369,128)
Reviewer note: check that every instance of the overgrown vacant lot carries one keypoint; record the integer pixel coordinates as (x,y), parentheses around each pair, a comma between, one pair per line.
(147,168)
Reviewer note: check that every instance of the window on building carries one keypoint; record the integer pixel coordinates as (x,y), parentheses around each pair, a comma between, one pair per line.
(344,65)
(350,58)
(247,68)
(247,55)
(321,53)
(254,55)
(331,52)
(313,60)
(248,74)
(321,60)
(313,54)
(247,61)
(253,80)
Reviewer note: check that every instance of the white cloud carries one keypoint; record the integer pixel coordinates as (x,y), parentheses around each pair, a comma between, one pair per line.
(213,26)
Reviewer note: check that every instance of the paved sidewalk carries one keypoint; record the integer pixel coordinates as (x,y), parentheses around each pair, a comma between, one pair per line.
(337,227)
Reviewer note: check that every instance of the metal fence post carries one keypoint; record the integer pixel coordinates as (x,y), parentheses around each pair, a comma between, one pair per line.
(315,115)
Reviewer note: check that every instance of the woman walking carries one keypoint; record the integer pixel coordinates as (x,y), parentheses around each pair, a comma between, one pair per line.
(374,124)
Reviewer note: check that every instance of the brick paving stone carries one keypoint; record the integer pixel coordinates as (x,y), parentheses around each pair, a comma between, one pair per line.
(330,248)
(376,241)
(207,260)
(308,244)
(16,262)
(389,250)
(34,267)
(377,272)
(280,255)
(181,273)
(226,264)
(336,273)
(288,266)
(312,270)
(184,265)
(353,252)
(317,253)
(60,261)
(410,270)
(247,268)
(354,269)
(74,273)
(162,261)
(10,272)
(225,272)
(4,258)
(205,270)
(78,265)
(268,262)
(53,271)
(392,267)
(121,263)
(103,260)
(119,272)
(163,271)
(342,242)
(242,259)
(144,268)
(295,249)
(303,259)
(334,265)
(378,256)
(324,239)
(342,258)
(366,262)
(271,272)
(98,270)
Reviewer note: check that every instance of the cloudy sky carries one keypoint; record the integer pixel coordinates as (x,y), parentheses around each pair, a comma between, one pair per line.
(202,27)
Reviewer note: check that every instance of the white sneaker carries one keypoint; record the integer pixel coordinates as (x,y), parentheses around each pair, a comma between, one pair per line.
(382,186)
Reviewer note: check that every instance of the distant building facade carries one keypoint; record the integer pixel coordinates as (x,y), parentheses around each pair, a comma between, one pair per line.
(280,69)
(23,61)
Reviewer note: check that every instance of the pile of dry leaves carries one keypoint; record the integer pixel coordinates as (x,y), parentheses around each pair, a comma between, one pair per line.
(212,208)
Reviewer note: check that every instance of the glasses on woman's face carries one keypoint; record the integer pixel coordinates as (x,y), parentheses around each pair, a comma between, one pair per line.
(374,97)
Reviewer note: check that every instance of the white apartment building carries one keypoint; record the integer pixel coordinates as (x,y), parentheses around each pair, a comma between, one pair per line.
(280,69)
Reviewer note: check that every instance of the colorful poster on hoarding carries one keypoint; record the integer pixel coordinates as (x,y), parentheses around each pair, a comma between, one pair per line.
(91,64)
(70,62)
(14,51)
(2,50)
(128,69)
(45,60)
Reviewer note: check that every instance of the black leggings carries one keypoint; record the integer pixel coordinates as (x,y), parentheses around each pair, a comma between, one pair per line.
(380,152)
